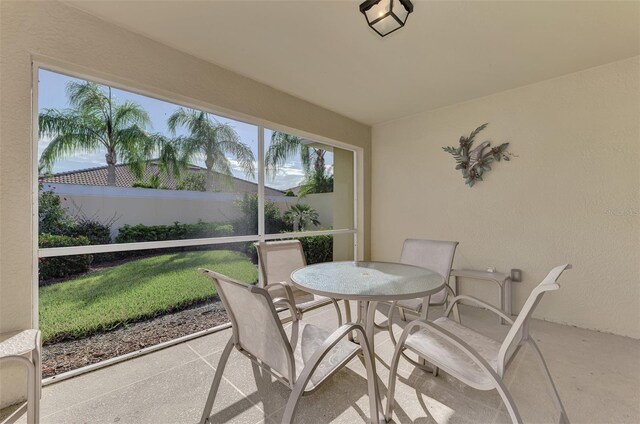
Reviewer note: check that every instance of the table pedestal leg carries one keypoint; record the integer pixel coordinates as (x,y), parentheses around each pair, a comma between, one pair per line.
(369,327)
(424,313)
(361,314)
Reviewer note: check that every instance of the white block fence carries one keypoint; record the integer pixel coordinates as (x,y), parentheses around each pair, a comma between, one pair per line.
(164,207)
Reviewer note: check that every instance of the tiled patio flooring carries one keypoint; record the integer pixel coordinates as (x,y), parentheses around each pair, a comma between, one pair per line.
(598,377)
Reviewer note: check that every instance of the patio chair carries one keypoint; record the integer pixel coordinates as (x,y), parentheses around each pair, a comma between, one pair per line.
(301,356)
(474,359)
(278,259)
(431,254)
(15,347)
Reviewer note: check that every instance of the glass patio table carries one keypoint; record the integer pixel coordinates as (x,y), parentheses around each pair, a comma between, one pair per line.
(368,283)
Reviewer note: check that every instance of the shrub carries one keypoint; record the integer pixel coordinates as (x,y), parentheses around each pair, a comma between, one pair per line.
(193,182)
(248,224)
(52,217)
(62,266)
(97,232)
(54,220)
(177,231)
(317,248)
(250,250)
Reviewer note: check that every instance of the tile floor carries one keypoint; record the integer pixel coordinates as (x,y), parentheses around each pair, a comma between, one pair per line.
(598,377)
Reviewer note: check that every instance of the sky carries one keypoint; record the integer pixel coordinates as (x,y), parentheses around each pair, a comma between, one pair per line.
(52,95)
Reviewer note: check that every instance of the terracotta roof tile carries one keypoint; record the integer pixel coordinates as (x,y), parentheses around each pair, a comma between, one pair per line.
(126,178)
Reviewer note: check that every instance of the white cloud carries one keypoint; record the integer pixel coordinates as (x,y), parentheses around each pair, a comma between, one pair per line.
(288,176)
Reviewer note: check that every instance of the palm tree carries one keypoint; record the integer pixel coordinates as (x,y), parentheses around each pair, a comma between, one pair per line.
(318,181)
(300,216)
(284,145)
(96,121)
(209,139)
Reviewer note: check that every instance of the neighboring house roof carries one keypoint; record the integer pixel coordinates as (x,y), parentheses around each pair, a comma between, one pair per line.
(126,178)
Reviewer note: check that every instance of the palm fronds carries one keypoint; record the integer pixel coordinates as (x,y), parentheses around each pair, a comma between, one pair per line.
(210,140)
(94,121)
(300,215)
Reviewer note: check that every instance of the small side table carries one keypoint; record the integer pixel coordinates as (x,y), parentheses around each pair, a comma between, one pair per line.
(501,279)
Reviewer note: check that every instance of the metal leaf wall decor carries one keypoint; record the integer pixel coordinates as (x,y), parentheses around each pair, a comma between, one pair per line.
(475,162)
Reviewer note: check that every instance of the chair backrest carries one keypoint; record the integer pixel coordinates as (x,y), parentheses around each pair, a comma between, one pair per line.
(519,331)
(277,260)
(256,326)
(435,255)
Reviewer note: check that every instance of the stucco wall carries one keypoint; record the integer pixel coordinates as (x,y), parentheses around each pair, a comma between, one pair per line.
(572,194)
(62,35)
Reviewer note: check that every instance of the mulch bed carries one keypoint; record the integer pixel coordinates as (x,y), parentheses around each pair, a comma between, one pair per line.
(69,355)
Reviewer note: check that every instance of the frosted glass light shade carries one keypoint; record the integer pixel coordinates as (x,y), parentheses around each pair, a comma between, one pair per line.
(386,16)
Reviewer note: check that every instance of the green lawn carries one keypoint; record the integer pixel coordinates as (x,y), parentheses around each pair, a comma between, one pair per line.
(139,289)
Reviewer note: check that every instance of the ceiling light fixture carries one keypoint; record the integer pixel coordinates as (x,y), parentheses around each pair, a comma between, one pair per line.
(386,16)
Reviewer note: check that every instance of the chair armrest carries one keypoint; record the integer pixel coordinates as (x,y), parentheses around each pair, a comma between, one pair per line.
(479,302)
(287,288)
(450,291)
(289,300)
(452,338)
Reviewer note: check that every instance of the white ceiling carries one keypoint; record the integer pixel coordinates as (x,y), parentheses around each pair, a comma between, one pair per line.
(450,51)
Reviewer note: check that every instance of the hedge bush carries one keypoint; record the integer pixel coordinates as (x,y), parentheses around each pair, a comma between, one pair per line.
(52,217)
(62,266)
(55,220)
(177,231)
(97,233)
(317,248)
(248,222)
